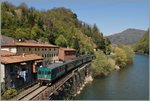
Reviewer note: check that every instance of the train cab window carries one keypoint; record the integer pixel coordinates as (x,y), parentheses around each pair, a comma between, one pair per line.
(39,72)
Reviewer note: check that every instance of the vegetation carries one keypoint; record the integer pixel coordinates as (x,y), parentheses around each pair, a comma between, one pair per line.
(102,65)
(59,26)
(142,46)
(9,93)
(123,55)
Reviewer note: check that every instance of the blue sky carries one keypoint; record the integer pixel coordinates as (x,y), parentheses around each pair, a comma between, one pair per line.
(111,16)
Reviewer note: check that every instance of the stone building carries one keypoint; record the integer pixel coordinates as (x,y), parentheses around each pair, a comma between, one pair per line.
(47,51)
(18,71)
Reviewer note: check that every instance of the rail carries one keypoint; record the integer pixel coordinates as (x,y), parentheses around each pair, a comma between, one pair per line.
(43,92)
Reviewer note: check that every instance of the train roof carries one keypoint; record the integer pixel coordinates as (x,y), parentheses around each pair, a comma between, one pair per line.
(55,65)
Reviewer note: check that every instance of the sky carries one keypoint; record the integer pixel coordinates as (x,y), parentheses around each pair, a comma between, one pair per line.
(111,16)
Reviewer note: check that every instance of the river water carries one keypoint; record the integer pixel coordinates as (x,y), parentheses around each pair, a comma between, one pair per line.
(130,83)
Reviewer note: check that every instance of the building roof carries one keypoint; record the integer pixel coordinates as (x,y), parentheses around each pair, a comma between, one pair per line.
(19,58)
(67,49)
(4,53)
(23,44)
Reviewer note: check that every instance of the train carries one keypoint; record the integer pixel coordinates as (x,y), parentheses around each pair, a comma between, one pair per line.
(51,73)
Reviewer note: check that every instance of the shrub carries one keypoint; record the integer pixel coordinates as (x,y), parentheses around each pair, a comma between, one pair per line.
(9,93)
(102,65)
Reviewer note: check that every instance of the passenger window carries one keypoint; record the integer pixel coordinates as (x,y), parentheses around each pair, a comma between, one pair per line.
(48,72)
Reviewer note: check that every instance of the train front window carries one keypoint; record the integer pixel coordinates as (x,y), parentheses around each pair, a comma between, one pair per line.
(39,72)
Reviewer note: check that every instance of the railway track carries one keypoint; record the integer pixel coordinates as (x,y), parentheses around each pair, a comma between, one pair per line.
(37,91)
(33,93)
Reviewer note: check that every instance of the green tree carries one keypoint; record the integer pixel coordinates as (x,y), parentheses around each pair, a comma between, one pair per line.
(61,41)
(102,65)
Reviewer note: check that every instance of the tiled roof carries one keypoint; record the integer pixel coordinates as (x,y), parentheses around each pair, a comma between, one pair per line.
(23,44)
(19,58)
(6,53)
(67,49)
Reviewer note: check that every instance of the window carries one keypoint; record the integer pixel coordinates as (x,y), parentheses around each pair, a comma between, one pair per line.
(50,49)
(29,49)
(35,49)
(23,49)
(39,72)
(49,72)
(45,49)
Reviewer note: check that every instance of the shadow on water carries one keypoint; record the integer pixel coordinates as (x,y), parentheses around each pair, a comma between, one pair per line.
(130,83)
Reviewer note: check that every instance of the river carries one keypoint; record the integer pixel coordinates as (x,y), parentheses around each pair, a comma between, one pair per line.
(130,83)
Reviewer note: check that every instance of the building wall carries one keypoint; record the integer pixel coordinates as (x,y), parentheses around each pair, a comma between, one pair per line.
(50,55)
(10,49)
(63,56)
(2,72)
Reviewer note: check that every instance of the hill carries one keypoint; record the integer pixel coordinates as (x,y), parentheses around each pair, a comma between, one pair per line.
(142,46)
(59,26)
(127,37)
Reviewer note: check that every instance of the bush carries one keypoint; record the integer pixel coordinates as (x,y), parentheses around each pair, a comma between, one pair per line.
(102,65)
(123,55)
(9,93)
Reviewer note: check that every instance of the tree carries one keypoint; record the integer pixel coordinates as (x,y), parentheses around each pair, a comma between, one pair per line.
(102,65)
(120,57)
(61,41)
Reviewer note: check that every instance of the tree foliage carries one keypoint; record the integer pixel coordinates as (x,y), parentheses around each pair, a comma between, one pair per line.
(51,26)
(9,93)
(123,55)
(102,65)
(142,46)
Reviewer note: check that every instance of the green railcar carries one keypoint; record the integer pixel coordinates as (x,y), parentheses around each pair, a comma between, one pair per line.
(54,72)
(44,75)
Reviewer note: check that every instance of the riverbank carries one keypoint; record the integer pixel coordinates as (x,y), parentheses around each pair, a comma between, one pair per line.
(119,57)
(130,83)
(88,79)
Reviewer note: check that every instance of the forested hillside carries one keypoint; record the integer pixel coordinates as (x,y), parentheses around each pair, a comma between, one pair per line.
(58,26)
(142,46)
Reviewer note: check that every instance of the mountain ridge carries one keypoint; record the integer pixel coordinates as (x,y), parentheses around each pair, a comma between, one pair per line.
(128,36)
